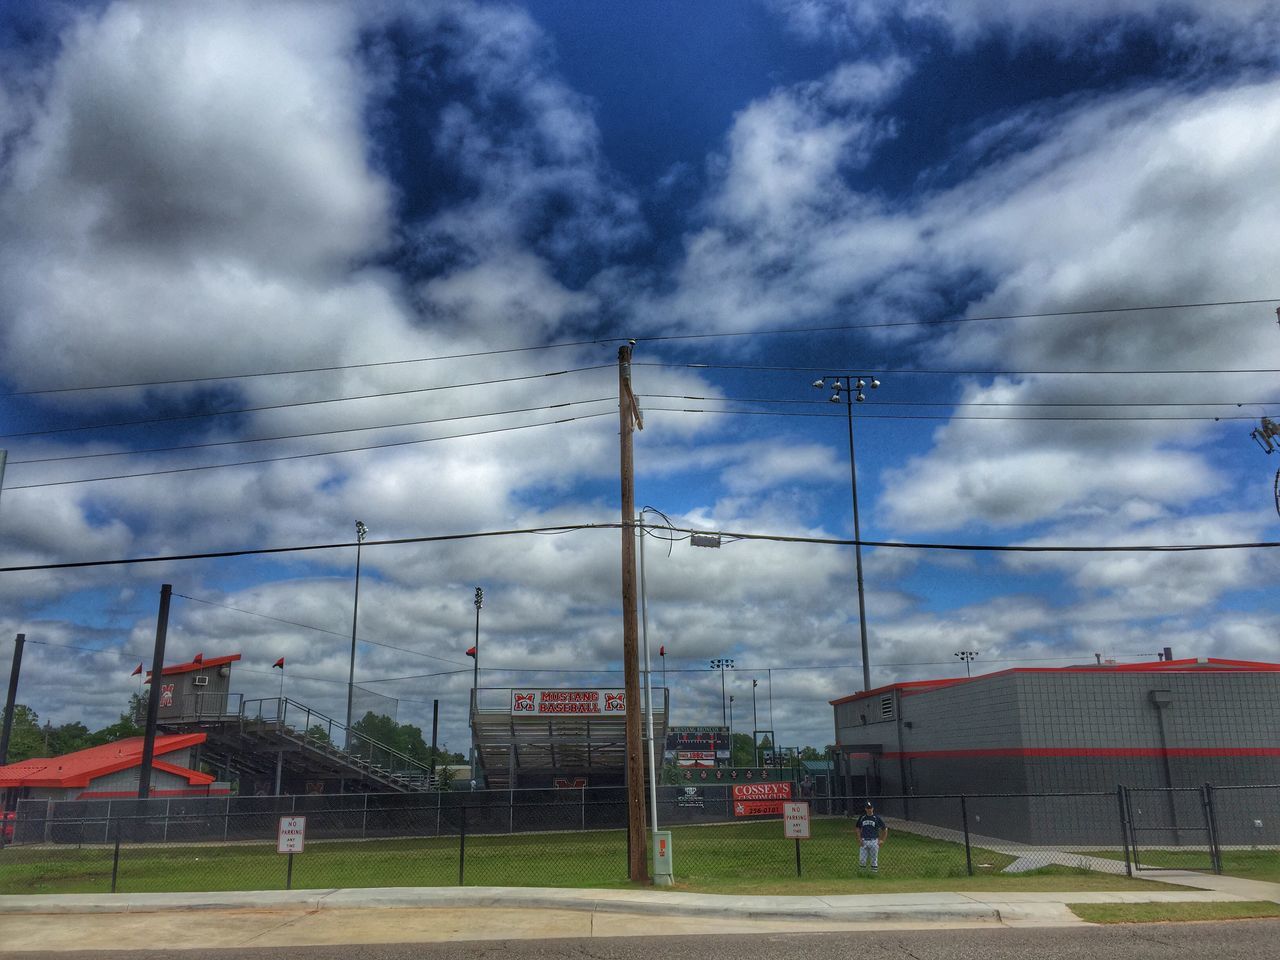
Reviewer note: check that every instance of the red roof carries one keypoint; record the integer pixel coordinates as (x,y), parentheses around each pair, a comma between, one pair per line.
(77,769)
(193,666)
(1189,665)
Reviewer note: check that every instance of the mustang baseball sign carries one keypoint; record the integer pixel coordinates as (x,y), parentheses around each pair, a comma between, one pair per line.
(543,703)
(760,799)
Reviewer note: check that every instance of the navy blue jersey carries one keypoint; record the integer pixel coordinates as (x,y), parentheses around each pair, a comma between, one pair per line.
(869,826)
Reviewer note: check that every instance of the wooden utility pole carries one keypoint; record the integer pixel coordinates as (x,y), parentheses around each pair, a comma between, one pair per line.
(12,699)
(153,701)
(629,418)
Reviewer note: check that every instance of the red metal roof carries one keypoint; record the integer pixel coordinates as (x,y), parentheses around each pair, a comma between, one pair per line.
(77,769)
(1189,665)
(193,666)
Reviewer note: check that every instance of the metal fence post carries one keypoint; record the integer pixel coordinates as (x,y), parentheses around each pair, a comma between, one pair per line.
(1211,824)
(168,804)
(1124,830)
(462,847)
(364,819)
(964,819)
(115,859)
(582,804)
(226,819)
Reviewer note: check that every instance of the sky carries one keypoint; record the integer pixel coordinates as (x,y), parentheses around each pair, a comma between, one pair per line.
(270,268)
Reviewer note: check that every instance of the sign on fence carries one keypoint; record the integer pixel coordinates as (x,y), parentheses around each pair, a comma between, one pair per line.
(760,799)
(795,819)
(291,835)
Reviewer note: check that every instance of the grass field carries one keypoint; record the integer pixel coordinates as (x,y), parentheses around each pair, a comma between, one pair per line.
(1174,912)
(1250,864)
(747,857)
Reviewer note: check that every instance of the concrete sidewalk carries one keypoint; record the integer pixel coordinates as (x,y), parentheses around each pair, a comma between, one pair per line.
(177,921)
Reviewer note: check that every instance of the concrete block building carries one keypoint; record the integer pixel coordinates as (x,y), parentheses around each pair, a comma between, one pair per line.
(1169,724)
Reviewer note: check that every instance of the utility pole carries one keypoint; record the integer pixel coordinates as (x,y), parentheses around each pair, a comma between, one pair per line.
(361,532)
(12,700)
(153,701)
(630,419)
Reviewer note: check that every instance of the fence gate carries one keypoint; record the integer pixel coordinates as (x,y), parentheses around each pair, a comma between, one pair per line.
(1171,828)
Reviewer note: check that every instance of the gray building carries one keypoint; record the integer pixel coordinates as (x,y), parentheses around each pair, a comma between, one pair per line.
(1169,724)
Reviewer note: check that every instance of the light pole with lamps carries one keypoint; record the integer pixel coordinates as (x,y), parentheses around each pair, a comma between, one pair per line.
(361,532)
(851,386)
(731,729)
(475,682)
(722,664)
(755,724)
(967,656)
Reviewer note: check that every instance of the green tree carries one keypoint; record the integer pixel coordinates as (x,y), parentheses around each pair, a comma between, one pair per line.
(26,740)
(127,726)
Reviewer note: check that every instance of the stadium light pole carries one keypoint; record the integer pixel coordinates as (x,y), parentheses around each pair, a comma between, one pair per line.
(722,664)
(361,532)
(850,386)
(967,656)
(755,724)
(475,682)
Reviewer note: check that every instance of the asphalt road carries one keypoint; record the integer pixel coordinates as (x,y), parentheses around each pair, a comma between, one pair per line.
(1190,941)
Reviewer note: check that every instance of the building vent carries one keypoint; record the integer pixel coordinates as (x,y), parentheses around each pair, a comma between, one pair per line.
(886,707)
(200,680)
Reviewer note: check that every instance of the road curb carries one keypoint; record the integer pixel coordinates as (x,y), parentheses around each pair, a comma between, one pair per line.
(309,901)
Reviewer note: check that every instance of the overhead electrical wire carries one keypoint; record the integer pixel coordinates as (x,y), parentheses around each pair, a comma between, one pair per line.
(881,402)
(834,328)
(304,403)
(305,436)
(731,535)
(939,416)
(302,456)
(909,371)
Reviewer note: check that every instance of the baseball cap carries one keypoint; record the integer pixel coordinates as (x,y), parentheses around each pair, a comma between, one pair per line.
(868,803)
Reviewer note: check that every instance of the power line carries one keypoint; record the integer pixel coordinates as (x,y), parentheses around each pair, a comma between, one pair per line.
(939,416)
(730,535)
(881,402)
(304,403)
(955,320)
(304,436)
(655,339)
(329,369)
(302,456)
(268,551)
(902,371)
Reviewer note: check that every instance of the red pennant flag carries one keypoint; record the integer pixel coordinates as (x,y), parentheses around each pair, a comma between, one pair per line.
(279,663)
(662,650)
(137,671)
(198,658)
(471,651)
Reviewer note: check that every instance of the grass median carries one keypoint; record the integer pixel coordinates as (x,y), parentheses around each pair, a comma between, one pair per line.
(1249,864)
(1174,912)
(745,858)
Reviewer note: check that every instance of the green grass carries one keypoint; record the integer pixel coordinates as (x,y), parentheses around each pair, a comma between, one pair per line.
(1249,864)
(747,857)
(1173,912)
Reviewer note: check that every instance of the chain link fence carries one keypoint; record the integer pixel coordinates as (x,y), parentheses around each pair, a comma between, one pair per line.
(577,838)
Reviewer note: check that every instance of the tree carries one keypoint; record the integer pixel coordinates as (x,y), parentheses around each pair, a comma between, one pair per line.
(26,740)
(127,726)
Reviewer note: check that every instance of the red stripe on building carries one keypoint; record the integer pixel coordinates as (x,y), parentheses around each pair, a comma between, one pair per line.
(1108,752)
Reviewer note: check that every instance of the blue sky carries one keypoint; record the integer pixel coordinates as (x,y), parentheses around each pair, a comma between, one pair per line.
(759,192)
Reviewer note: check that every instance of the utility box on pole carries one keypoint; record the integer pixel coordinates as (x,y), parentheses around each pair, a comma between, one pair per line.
(663,875)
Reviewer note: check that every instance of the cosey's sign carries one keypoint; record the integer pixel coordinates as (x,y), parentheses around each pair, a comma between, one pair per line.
(760,799)
(542,703)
